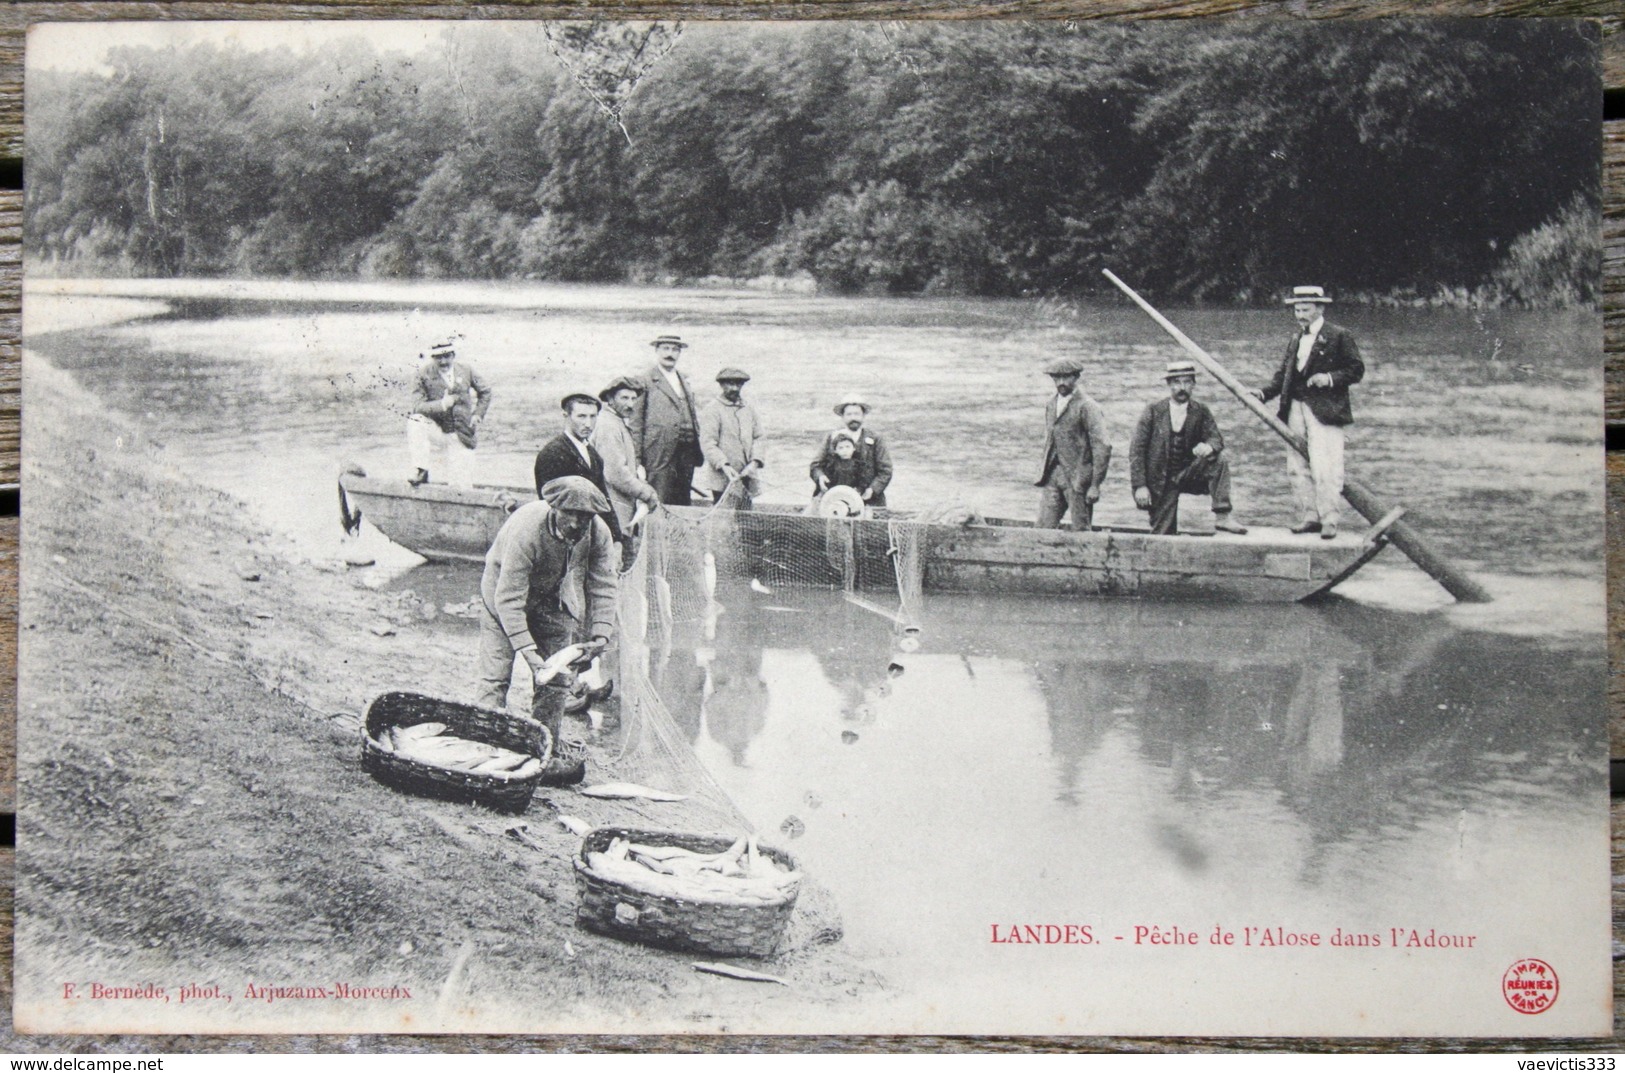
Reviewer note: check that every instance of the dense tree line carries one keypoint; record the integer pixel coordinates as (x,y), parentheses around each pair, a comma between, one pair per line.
(1214,161)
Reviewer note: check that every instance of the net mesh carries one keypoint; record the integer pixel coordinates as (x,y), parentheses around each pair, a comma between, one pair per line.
(667,608)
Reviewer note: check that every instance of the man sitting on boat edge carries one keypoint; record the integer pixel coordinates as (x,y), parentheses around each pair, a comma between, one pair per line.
(1177,448)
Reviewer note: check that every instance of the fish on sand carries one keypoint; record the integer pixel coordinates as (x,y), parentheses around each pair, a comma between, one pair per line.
(622,790)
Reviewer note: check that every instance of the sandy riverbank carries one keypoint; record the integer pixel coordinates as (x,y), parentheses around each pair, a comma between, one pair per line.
(193,811)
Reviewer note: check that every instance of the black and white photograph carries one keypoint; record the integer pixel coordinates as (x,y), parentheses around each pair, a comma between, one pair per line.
(1045,528)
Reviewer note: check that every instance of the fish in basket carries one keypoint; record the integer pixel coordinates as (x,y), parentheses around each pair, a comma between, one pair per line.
(458,752)
(691,892)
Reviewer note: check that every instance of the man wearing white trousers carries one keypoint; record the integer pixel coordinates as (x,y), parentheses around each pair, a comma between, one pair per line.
(1320,364)
(449,399)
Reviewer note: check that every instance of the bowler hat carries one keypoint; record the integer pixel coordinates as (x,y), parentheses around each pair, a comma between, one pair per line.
(1064,367)
(730,375)
(1316,295)
(578,396)
(621,383)
(673,340)
(851,400)
(574,493)
(1177,369)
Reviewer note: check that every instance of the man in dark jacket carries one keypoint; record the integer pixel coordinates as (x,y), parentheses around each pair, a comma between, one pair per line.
(1076,451)
(873,459)
(1177,449)
(569,454)
(666,425)
(1320,363)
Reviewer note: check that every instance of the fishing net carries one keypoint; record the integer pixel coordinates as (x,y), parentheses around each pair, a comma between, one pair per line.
(668,611)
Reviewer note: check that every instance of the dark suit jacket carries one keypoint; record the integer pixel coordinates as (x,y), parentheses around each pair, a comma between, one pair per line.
(1076,443)
(1148,462)
(659,421)
(1334,352)
(559,458)
(428,388)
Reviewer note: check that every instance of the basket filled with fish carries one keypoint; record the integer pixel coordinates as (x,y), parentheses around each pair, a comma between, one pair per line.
(454,751)
(688,891)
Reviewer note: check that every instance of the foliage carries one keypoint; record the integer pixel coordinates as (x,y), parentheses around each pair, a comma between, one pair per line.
(1219,161)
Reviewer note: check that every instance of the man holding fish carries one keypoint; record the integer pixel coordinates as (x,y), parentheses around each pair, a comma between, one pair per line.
(548,595)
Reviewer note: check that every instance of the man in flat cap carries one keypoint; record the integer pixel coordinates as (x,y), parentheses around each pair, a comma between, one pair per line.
(667,425)
(613,440)
(1178,449)
(1076,451)
(1313,380)
(449,400)
(731,439)
(549,582)
(571,453)
(871,459)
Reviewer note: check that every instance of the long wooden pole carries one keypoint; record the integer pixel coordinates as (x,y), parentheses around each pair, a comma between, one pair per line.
(1403,535)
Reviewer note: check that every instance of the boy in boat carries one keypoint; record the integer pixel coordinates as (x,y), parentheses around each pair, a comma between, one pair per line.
(449,400)
(1177,449)
(874,460)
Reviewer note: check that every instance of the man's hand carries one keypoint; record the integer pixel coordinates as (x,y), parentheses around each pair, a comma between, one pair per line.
(1142,498)
(1202,450)
(753,466)
(868,494)
(1256,394)
(447,402)
(643,474)
(1091,494)
(823,483)
(729,472)
(1320,380)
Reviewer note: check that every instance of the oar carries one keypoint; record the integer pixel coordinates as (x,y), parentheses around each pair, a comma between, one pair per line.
(1361,498)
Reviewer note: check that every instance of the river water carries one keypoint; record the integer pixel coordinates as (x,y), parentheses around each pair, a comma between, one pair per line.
(1384,764)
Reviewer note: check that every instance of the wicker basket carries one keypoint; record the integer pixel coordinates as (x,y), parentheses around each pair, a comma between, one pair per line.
(492,790)
(661,920)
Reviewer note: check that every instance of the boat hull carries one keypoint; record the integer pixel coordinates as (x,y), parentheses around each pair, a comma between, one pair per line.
(781,545)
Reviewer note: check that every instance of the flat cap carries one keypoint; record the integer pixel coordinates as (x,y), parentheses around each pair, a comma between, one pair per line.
(731,375)
(621,383)
(578,396)
(1064,367)
(574,493)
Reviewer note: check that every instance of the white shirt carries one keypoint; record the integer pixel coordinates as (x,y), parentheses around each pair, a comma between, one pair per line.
(1176,414)
(1306,341)
(581,448)
(1060,403)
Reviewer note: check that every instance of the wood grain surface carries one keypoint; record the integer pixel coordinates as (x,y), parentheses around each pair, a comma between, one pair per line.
(15,17)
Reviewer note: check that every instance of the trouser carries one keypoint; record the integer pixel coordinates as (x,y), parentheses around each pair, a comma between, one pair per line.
(1208,476)
(1317,482)
(425,440)
(552,630)
(1055,500)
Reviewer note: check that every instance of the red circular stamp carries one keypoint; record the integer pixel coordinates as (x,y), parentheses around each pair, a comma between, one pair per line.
(1530,986)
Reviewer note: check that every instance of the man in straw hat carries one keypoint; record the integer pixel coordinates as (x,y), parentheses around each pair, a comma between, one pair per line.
(1076,451)
(1320,363)
(667,425)
(731,439)
(549,582)
(873,469)
(1177,449)
(449,400)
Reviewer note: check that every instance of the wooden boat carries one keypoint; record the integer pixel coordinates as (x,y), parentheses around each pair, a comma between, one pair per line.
(781,544)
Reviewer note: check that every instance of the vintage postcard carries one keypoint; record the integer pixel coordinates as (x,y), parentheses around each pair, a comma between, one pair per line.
(887,527)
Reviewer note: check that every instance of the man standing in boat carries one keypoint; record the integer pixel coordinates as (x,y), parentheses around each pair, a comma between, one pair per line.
(873,460)
(623,478)
(667,426)
(549,582)
(1177,448)
(571,454)
(1312,382)
(731,440)
(449,400)
(1076,451)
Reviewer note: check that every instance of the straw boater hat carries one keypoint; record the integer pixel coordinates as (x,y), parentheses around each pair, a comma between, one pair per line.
(850,400)
(674,340)
(443,346)
(1064,367)
(621,383)
(1316,295)
(1177,369)
(574,493)
(841,502)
